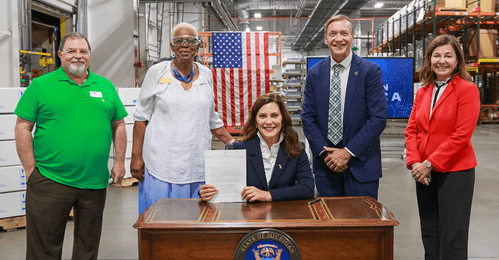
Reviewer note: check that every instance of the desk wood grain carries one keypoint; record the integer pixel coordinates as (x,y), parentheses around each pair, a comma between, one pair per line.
(346,227)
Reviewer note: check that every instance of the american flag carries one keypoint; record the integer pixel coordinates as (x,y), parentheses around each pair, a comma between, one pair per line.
(240,73)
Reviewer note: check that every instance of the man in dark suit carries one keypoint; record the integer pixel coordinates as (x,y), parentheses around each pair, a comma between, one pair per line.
(344,113)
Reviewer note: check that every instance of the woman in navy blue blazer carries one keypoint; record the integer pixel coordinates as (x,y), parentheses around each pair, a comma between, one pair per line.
(277,166)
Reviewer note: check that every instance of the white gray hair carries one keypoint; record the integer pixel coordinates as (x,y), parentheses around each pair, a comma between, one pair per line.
(184,26)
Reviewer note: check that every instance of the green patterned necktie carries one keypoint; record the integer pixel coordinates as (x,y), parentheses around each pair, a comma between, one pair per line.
(335,127)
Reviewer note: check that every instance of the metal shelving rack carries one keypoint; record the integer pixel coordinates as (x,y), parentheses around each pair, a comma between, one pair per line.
(294,84)
(423,20)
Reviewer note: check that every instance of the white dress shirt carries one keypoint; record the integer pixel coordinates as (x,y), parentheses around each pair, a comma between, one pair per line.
(269,156)
(442,89)
(344,72)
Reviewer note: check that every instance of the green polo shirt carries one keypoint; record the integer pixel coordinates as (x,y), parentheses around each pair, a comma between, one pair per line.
(73,127)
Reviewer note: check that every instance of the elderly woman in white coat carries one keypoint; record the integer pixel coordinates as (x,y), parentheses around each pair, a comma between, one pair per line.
(174,115)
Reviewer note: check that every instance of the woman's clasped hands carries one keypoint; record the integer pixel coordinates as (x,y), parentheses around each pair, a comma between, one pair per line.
(249,193)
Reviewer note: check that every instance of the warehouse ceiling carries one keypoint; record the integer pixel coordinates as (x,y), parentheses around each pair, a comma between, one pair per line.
(314,12)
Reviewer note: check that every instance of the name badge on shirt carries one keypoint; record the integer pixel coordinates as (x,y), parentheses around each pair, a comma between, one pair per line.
(165,80)
(96,94)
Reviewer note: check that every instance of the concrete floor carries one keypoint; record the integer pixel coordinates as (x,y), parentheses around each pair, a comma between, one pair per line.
(396,193)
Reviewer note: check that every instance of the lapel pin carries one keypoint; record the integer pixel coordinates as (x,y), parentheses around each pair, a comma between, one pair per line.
(356,73)
(280,167)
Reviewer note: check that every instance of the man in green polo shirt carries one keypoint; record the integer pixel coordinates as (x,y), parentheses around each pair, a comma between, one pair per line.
(77,115)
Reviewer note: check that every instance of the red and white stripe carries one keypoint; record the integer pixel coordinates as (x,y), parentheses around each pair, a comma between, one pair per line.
(237,88)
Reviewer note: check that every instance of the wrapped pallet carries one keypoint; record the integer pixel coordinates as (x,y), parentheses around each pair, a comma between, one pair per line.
(455,5)
(422,6)
(488,44)
(390,28)
(487,6)
(410,12)
(397,17)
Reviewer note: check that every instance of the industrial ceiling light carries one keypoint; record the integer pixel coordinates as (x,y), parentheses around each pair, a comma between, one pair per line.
(378,5)
(258,15)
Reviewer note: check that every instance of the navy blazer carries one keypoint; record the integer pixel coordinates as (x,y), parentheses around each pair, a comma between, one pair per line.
(364,118)
(291,178)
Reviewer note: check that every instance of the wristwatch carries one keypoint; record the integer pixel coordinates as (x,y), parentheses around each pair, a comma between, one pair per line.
(323,154)
(428,164)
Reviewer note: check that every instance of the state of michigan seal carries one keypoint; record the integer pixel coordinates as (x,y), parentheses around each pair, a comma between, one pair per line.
(267,244)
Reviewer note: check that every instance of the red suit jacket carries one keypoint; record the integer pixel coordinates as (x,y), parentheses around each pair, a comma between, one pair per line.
(444,138)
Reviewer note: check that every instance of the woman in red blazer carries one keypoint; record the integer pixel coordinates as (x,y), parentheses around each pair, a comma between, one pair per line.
(439,150)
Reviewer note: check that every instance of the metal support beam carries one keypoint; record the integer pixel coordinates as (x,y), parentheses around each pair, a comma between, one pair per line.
(82,20)
(313,31)
(220,12)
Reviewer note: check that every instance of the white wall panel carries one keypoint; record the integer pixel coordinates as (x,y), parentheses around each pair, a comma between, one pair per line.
(110,32)
(9,44)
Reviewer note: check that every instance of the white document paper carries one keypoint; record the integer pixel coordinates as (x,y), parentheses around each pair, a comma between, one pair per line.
(226,170)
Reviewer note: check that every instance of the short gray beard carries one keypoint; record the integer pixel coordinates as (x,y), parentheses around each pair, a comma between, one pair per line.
(76,69)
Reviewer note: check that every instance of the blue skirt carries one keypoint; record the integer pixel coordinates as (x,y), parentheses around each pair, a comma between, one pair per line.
(152,189)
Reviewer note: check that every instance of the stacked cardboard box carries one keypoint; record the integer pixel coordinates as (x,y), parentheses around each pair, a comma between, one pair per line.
(128,97)
(488,44)
(488,6)
(455,4)
(12,175)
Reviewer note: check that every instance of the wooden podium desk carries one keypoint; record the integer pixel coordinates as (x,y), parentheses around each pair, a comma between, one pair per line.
(332,228)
